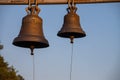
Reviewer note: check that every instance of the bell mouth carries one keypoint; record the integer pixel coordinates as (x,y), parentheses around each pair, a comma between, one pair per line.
(69,34)
(28,44)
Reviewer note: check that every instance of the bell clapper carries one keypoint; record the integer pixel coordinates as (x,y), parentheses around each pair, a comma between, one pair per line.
(32,48)
(71,39)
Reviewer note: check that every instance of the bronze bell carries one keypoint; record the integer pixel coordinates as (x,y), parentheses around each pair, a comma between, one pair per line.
(71,27)
(31,33)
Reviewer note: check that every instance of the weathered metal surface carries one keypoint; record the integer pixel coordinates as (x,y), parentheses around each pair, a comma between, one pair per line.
(31,33)
(71,27)
(24,2)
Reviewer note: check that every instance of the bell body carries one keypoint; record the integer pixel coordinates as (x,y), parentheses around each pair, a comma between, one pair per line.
(71,26)
(31,33)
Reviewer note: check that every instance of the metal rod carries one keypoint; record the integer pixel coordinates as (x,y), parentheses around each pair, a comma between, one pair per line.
(46,2)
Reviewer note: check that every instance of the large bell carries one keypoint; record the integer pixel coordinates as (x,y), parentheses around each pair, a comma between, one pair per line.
(71,27)
(31,33)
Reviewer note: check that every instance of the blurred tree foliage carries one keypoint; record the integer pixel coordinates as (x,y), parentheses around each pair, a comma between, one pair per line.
(8,73)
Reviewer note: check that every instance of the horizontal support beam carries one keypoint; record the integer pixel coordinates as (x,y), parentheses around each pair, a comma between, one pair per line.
(25,2)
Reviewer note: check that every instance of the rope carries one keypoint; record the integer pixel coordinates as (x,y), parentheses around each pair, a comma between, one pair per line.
(71,63)
(36,3)
(29,3)
(73,3)
(69,5)
(33,68)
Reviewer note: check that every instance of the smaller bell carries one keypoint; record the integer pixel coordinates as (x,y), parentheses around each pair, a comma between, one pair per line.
(31,33)
(71,27)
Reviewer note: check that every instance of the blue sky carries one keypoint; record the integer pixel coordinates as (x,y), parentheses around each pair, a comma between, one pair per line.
(96,57)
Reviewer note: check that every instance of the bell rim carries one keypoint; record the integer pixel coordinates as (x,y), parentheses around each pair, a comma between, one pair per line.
(68,34)
(26,42)
(35,44)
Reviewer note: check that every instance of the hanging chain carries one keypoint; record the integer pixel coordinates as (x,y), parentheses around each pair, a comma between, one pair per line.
(71,3)
(36,7)
(71,62)
(36,3)
(32,9)
(29,6)
(29,3)
(71,6)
